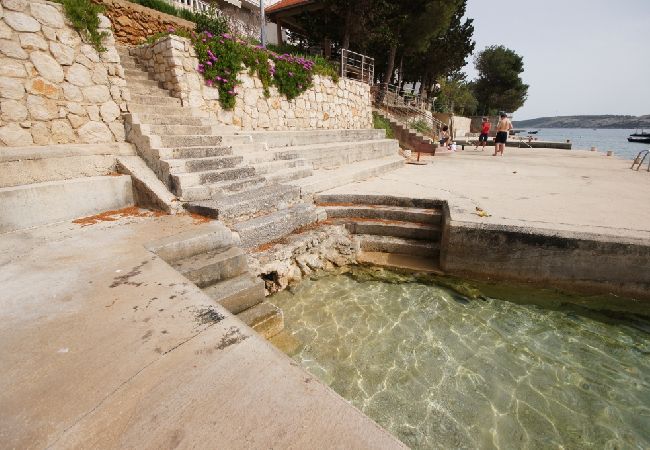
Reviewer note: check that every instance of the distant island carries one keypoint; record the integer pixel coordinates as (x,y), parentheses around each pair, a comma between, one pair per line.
(586,122)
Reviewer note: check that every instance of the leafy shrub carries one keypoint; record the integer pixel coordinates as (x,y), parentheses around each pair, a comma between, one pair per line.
(421,126)
(84,16)
(159,5)
(382,123)
(212,21)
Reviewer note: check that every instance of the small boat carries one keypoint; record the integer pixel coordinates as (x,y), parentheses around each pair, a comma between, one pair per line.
(533,132)
(641,138)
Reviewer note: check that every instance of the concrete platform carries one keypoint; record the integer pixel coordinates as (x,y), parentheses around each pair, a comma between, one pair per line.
(575,191)
(104,345)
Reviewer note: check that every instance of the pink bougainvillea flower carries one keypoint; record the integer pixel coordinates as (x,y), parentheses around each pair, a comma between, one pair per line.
(209,63)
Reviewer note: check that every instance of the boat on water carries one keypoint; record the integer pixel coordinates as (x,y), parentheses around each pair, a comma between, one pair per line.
(642,138)
(533,132)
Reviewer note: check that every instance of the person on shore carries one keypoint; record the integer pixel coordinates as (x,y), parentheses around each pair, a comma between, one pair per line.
(503,128)
(483,137)
(444,136)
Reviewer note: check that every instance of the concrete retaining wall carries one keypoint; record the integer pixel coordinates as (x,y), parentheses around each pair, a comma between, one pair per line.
(573,261)
(56,201)
(55,88)
(327,105)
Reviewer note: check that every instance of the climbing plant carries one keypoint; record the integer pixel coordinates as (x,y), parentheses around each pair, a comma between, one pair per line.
(222,57)
(84,16)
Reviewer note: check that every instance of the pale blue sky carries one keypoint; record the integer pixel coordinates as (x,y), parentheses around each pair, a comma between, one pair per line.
(580,56)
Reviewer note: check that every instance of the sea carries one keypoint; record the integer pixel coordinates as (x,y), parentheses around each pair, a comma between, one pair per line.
(585,138)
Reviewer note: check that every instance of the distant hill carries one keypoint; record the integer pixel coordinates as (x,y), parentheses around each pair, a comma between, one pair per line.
(585,122)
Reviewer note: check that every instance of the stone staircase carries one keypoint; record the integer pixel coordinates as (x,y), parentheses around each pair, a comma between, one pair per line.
(259,183)
(202,163)
(210,257)
(390,229)
(410,138)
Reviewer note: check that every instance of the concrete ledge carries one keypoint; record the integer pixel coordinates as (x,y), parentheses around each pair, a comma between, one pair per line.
(64,151)
(577,261)
(42,203)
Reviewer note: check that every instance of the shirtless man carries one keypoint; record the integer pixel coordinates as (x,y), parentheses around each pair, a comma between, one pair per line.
(503,127)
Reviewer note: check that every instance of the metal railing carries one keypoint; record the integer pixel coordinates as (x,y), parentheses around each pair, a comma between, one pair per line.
(408,108)
(640,159)
(192,5)
(357,66)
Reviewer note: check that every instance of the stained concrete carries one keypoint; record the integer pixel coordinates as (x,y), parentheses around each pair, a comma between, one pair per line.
(104,345)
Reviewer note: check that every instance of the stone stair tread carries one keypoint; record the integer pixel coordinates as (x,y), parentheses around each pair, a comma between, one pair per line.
(400,261)
(265,318)
(325,179)
(289,174)
(200,151)
(239,293)
(331,145)
(260,230)
(417,215)
(390,244)
(210,267)
(395,228)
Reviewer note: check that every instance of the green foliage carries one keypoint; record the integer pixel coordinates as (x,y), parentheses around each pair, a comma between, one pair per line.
(222,57)
(211,21)
(456,96)
(499,86)
(421,126)
(381,123)
(84,16)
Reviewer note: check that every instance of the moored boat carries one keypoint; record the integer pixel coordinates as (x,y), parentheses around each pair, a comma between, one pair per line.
(641,138)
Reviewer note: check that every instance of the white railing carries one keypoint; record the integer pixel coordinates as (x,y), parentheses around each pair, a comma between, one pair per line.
(357,66)
(192,5)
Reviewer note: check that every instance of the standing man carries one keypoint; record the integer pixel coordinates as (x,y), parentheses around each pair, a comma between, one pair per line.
(503,128)
(483,137)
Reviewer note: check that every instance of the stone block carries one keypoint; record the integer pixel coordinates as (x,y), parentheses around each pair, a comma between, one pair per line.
(47,15)
(11,88)
(69,37)
(15,5)
(12,49)
(12,68)
(110,111)
(95,133)
(63,54)
(21,22)
(32,41)
(79,75)
(14,135)
(41,108)
(40,133)
(96,94)
(62,132)
(47,66)
(40,86)
(5,31)
(93,112)
(77,121)
(13,111)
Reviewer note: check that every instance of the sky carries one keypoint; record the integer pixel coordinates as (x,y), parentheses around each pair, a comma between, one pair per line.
(580,56)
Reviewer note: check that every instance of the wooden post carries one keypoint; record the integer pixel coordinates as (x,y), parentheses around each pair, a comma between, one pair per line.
(279,32)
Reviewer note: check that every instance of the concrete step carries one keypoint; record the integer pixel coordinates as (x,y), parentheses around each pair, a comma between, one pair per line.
(257,156)
(155,101)
(202,164)
(383,200)
(289,174)
(390,213)
(157,119)
(190,140)
(134,73)
(140,108)
(200,152)
(206,269)
(265,318)
(239,293)
(270,167)
(148,90)
(182,130)
(56,201)
(188,179)
(204,238)
(336,154)
(323,180)
(389,244)
(407,230)
(399,261)
(247,204)
(215,190)
(277,139)
(260,230)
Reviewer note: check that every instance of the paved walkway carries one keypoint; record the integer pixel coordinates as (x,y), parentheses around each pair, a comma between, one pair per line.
(103,345)
(572,191)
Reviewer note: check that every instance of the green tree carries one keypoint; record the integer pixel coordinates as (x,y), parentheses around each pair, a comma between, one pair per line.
(499,86)
(456,96)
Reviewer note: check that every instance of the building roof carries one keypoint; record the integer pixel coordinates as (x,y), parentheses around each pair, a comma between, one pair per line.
(286,4)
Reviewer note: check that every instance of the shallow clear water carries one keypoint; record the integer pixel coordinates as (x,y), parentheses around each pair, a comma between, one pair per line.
(440,371)
(604,139)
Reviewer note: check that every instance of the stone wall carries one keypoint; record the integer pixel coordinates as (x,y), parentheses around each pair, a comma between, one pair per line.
(54,88)
(134,23)
(327,105)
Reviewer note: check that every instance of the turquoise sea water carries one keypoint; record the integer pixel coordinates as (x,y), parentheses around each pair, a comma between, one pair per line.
(522,369)
(603,139)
